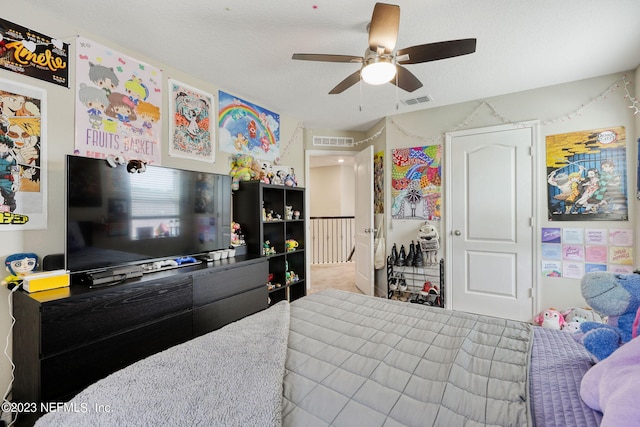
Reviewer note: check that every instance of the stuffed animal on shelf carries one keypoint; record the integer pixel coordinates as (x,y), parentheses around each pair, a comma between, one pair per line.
(243,168)
(613,385)
(551,319)
(616,296)
(19,265)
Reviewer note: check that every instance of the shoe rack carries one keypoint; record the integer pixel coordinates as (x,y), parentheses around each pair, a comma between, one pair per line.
(415,277)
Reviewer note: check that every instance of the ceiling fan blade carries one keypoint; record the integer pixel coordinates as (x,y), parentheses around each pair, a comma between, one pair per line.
(406,80)
(435,51)
(346,83)
(326,58)
(383,30)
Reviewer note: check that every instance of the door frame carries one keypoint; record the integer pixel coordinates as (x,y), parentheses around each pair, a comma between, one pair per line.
(537,154)
(307,200)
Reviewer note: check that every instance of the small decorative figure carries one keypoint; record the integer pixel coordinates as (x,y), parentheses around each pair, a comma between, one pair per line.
(19,265)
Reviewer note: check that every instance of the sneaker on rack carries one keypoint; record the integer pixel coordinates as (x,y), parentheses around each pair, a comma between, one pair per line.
(402,283)
(426,288)
(393,283)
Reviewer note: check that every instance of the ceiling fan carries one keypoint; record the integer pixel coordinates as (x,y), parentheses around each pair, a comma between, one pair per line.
(380,64)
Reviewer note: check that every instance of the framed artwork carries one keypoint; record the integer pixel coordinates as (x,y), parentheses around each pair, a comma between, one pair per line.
(191,123)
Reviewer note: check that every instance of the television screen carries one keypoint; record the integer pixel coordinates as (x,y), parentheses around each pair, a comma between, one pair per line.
(115,217)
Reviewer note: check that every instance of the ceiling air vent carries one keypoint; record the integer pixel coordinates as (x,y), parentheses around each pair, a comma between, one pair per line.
(332,141)
(416,101)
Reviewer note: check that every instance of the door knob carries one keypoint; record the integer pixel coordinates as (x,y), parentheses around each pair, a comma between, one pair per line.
(457,232)
(370,230)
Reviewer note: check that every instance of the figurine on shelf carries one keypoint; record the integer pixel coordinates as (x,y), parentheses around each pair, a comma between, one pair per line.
(291,245)
(267,249)
(19,265)
(290,180)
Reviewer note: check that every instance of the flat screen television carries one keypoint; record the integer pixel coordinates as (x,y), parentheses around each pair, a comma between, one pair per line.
(116,218)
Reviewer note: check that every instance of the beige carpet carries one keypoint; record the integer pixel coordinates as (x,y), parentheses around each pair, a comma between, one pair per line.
(340,276)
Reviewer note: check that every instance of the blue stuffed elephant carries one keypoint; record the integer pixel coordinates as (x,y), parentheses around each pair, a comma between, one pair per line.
(616,296)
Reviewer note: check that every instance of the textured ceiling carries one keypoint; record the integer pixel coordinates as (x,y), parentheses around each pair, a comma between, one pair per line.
(244,47)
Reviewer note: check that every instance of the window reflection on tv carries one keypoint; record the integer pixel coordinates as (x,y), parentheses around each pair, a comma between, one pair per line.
(114,217)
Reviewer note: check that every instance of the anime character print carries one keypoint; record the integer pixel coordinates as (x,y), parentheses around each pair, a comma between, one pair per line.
(117,105)
(96,100)
(583,176)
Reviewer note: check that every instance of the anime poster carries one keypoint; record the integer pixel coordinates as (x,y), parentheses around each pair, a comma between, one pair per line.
(587,175)
(23,192)
(190,124)
(118,101)
(246,128)
(416,177)
(378,182)
(33,54)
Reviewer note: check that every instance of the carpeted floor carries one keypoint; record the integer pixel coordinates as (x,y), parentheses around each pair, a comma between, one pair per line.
(340,276)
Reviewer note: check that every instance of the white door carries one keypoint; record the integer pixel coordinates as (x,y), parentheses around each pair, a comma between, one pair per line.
(489,213)
(363,222)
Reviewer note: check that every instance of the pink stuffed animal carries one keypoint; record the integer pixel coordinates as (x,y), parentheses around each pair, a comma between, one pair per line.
(551,319)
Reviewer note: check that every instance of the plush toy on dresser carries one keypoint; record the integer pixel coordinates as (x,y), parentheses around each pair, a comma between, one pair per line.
(616,296)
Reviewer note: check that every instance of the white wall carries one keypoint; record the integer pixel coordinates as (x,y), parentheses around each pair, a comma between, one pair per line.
(428,127)
(60,142)
(332,191)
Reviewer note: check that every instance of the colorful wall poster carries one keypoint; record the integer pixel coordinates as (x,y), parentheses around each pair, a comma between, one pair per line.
(416,179)
(33,54)
(572,252)
(191,122)
(551,235)
(597,254)
(621,269)
(620,255)
(23,161)
(118,105)
(573,235)
(587,175)
(246,128)
(593,236)
(573,270)
(378,182)
(591,268)
(621,237)
(576,249)
(551,268)
(551,251)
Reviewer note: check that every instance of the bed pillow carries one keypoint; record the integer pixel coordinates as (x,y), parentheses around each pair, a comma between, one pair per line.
(612,386)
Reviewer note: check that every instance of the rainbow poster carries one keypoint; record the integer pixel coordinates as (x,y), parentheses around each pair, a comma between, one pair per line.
(247,128)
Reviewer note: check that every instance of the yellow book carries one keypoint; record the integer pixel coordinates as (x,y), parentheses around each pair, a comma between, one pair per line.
(45,280)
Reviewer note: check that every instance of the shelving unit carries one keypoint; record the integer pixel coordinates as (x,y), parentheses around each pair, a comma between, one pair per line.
(415,278)
(261,211)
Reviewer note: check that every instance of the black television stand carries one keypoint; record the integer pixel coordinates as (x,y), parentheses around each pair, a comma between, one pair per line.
(65,339)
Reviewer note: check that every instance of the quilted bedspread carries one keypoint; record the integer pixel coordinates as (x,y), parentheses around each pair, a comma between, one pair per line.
(356,360)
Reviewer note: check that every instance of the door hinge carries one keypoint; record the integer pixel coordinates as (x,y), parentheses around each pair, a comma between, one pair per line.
(532,222)
(530,292)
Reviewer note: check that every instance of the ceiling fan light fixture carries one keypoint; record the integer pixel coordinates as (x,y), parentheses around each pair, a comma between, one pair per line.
(378,70)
